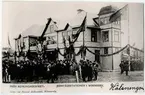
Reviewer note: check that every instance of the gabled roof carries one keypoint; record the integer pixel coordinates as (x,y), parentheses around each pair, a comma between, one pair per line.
(65,28)
(34,30)
(47,24)
(78,19)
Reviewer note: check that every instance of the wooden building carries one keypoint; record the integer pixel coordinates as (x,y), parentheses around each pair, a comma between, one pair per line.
(100,36)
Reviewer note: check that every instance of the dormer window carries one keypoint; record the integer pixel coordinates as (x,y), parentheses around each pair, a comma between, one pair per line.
(104,20)
(51,28)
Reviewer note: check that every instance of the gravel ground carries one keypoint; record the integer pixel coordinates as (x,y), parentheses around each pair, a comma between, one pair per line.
(116,76)
(102,77)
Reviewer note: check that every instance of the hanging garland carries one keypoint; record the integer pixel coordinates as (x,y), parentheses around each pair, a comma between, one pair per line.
(136,49)
(104,55)
(58,50)
(80,51)
(91,51)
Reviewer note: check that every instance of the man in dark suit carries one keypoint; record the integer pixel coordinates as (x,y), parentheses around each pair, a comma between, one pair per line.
(121,67)
(126,67)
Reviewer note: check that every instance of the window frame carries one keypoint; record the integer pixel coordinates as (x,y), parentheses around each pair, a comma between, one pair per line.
(106,50)
(104,37)
(104,20)
(51,27)
(116,35)
(94,35)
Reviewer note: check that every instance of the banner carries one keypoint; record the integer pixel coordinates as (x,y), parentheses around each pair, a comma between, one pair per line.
(82,28)
(120,14)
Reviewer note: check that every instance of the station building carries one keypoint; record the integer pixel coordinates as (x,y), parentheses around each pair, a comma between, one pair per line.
(100,36)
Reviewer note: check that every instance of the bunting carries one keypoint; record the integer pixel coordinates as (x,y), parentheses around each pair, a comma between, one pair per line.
(136,49)
(82,28)
(104,55)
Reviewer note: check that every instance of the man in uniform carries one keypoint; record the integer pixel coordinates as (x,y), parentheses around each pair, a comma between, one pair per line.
(126,67)
(121,67)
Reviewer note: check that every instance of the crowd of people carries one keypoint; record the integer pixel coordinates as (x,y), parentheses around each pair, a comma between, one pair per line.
(34,70)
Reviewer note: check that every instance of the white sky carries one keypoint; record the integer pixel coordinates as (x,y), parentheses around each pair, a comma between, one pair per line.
(18,16)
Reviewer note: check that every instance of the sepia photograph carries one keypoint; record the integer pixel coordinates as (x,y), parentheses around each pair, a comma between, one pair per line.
(72,42)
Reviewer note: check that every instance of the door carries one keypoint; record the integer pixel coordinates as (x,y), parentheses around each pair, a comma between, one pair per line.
(51,55)
(97,56)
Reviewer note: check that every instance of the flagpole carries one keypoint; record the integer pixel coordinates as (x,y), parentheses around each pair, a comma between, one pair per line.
(15,52)
(112,45)
(128,37)
(57,45)
(83,33)
(84,36)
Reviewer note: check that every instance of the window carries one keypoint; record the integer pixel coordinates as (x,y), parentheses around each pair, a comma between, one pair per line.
(32,42)
(116,49)
(64,35)
(104,21)
(101,22)
(51,40)
(51,28)
(93,35)
(117,22)
(105,36)
(69,32)
(74,32)
(106,50)
(116,36)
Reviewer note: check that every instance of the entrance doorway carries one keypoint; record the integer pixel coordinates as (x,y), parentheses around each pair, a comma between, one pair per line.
(51,55)
(97,56)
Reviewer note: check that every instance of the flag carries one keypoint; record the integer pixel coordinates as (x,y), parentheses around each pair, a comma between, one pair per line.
(79,10)
(120,14)
(19,36)
(9,41)
(82,28)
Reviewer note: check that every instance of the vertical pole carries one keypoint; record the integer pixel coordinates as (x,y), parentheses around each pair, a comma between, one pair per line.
(80,71)
(84,36)
(77,76)
(83,46)
(128,35)
(120,39)
(57,44)
(18,48)
(28,43)
(15,52)
(112,45)
(120,33)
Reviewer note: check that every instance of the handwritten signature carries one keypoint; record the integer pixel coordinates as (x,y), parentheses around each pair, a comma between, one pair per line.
(117,86)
